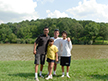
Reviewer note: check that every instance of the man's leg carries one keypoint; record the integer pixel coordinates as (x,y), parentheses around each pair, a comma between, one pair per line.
(36,70)
(37,59)
(55,67)
(48,69)
(42,61)
(41,68)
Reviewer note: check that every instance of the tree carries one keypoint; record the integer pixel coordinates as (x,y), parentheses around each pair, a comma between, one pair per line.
(103,31)
(91,31)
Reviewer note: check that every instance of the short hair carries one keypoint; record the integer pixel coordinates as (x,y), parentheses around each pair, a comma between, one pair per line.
(56,30)
(64,32)
(46,28)
(51,40)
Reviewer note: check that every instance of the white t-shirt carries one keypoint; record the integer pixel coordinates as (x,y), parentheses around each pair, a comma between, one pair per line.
(57,44)
(65,48)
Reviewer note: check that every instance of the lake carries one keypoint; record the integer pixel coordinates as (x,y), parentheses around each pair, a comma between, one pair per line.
(25,52)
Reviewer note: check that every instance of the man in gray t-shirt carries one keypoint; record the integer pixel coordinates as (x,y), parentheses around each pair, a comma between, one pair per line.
(40,51)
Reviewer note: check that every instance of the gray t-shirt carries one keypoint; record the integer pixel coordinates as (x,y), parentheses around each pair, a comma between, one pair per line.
(42,42)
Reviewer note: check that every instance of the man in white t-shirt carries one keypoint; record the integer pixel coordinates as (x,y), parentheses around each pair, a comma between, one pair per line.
(56,43)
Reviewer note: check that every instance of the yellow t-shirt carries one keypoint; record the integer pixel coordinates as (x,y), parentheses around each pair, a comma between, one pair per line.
(51,50)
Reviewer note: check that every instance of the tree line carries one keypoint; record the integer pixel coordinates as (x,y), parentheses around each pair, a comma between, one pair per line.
(80,32)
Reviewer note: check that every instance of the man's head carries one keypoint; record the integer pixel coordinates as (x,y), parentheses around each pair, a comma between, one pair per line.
(64,34)
(46,30)
(51,42)
(56,33)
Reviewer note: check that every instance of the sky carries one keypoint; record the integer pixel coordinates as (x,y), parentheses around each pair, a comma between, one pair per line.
(20,10)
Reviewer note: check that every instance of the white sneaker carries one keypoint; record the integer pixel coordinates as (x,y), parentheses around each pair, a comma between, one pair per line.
(49,77)
(36,79)
(62,76)
(68,76)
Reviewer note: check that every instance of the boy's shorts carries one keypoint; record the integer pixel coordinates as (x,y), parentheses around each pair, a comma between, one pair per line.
(56,62)
(49,60)
(65,61)
(39,58)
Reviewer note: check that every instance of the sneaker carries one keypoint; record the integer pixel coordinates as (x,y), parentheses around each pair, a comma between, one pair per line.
(62,76)
(41,76)
(36,79)
(49,77)
(68,76)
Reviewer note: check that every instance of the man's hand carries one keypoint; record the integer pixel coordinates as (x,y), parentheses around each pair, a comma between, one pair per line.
(56,60)
(68,39)
(34,52)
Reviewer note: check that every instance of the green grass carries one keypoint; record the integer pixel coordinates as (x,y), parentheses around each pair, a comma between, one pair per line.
(80,70)
(101,42)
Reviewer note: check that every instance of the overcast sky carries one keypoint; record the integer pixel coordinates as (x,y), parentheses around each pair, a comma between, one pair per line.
(19,10)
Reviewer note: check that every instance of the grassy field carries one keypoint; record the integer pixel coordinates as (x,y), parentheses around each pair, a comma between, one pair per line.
(80,70)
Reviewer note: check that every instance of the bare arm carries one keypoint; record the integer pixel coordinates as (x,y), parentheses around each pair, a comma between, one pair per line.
(34,50)
(56,56)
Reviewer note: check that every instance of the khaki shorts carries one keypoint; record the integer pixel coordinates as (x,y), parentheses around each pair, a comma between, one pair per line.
(39,59)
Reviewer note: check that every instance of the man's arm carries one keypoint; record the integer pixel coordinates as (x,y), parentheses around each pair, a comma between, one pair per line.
(35,44)
(34,50)
(56,54)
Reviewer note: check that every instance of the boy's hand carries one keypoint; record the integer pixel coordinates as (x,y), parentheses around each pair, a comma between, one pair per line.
(56,60)
(34,52)
(68,39)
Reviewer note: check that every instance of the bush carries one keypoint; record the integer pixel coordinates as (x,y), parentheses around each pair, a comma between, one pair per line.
(1,42)
(18,41)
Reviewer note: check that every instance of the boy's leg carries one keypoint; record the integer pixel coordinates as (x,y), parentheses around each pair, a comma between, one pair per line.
(62,71)
(68,72)
(67,68)
(48,67)
(51,67)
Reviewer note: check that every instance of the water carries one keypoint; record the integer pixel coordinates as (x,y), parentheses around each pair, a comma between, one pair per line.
(25,52)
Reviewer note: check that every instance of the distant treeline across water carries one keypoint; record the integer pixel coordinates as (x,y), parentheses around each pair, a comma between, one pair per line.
(80,32)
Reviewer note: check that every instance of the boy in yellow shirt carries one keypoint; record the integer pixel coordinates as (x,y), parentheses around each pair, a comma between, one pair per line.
(52,56)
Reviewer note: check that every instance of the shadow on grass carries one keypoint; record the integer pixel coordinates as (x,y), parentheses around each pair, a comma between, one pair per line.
(22,74)
(26,75)
(97,76)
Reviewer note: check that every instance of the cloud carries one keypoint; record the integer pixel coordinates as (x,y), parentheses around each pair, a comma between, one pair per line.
(90,9)
(44,1)
(56,14)
(17,10)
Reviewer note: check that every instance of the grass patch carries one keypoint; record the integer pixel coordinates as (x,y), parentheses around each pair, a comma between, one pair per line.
(80,70)
(99,42)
